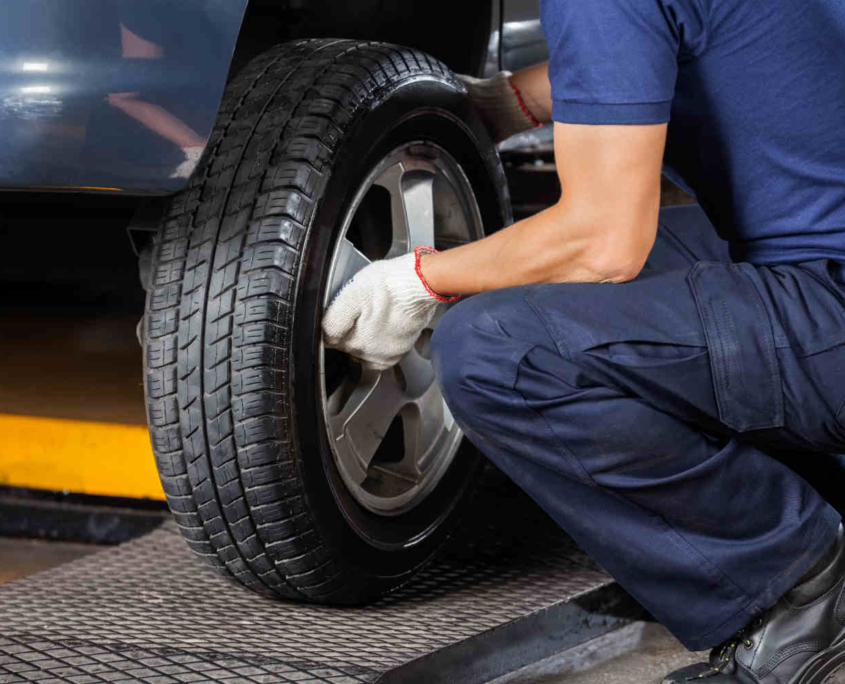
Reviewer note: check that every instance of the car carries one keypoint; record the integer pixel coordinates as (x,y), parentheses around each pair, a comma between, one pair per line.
(279,146)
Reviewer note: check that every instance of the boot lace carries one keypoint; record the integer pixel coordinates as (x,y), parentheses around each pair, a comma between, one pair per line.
(723,657)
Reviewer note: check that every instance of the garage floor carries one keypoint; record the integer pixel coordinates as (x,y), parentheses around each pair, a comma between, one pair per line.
(75,353)
(23,557)
(71,397)
(639,652)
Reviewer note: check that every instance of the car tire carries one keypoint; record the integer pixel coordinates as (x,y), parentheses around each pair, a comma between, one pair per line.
(244,262)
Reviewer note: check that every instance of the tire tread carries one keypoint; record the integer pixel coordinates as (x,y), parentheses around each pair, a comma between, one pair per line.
(220,309)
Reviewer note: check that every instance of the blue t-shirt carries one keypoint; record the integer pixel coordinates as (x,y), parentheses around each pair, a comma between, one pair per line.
(754,93)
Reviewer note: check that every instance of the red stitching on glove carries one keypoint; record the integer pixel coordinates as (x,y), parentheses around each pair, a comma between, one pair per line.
(418,252)
(522,106)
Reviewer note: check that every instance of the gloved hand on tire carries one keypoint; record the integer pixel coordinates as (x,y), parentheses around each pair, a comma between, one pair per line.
(380,313)
(500,104)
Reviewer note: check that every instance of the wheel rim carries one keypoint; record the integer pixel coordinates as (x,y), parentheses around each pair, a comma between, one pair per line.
(391,434)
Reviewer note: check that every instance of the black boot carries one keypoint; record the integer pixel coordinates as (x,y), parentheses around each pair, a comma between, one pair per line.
(799,640)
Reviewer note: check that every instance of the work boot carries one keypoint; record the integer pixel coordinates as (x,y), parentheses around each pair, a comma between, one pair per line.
(799,640)
(500,105)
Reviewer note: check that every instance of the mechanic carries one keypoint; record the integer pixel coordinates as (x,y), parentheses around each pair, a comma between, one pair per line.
(637,374)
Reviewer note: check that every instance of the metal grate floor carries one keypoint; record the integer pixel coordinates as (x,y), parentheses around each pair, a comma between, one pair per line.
(509,589)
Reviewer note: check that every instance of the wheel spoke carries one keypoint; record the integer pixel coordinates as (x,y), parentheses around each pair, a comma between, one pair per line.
(362,423)
(349,262)
(411,187)
(418,373)
(419,208)
(424,427)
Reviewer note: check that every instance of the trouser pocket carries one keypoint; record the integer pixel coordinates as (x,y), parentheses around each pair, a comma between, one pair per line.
(741,345)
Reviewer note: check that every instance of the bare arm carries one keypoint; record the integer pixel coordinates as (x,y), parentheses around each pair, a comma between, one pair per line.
(601,230)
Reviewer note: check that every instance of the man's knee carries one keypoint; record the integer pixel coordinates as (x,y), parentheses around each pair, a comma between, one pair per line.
(475,355)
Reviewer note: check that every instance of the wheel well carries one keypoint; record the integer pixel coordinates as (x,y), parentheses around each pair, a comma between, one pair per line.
(458,33)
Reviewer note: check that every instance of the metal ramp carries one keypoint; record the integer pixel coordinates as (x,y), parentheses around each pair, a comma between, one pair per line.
(508,590)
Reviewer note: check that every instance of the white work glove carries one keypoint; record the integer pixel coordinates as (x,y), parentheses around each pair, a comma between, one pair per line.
(378,316)
(500,104)
(192,160)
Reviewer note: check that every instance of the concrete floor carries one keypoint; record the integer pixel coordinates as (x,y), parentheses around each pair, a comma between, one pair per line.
(23,557)
(81,368)
(70,298)
(641,653)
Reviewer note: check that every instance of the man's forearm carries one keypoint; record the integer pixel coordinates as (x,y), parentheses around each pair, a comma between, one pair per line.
(601,230)
(560,244)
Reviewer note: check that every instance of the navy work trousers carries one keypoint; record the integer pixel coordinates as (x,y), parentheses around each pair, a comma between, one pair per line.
(647,418)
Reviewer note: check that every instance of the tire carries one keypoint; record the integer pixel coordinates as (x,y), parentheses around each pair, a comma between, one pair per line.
(235,374)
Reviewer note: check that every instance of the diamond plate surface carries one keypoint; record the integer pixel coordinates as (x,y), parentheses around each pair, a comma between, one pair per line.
(148,611)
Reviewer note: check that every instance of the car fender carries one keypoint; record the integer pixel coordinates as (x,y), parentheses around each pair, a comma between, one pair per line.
(111,95)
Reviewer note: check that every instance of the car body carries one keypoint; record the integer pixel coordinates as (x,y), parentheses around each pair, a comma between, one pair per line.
(93,93)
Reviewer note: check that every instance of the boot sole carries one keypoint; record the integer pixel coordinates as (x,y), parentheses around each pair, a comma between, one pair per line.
(818,668)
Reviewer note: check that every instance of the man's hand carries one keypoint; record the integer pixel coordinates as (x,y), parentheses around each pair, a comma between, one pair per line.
(378,315)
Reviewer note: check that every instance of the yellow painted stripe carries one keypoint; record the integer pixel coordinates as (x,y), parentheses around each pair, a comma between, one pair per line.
(57,188)
(77,456)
